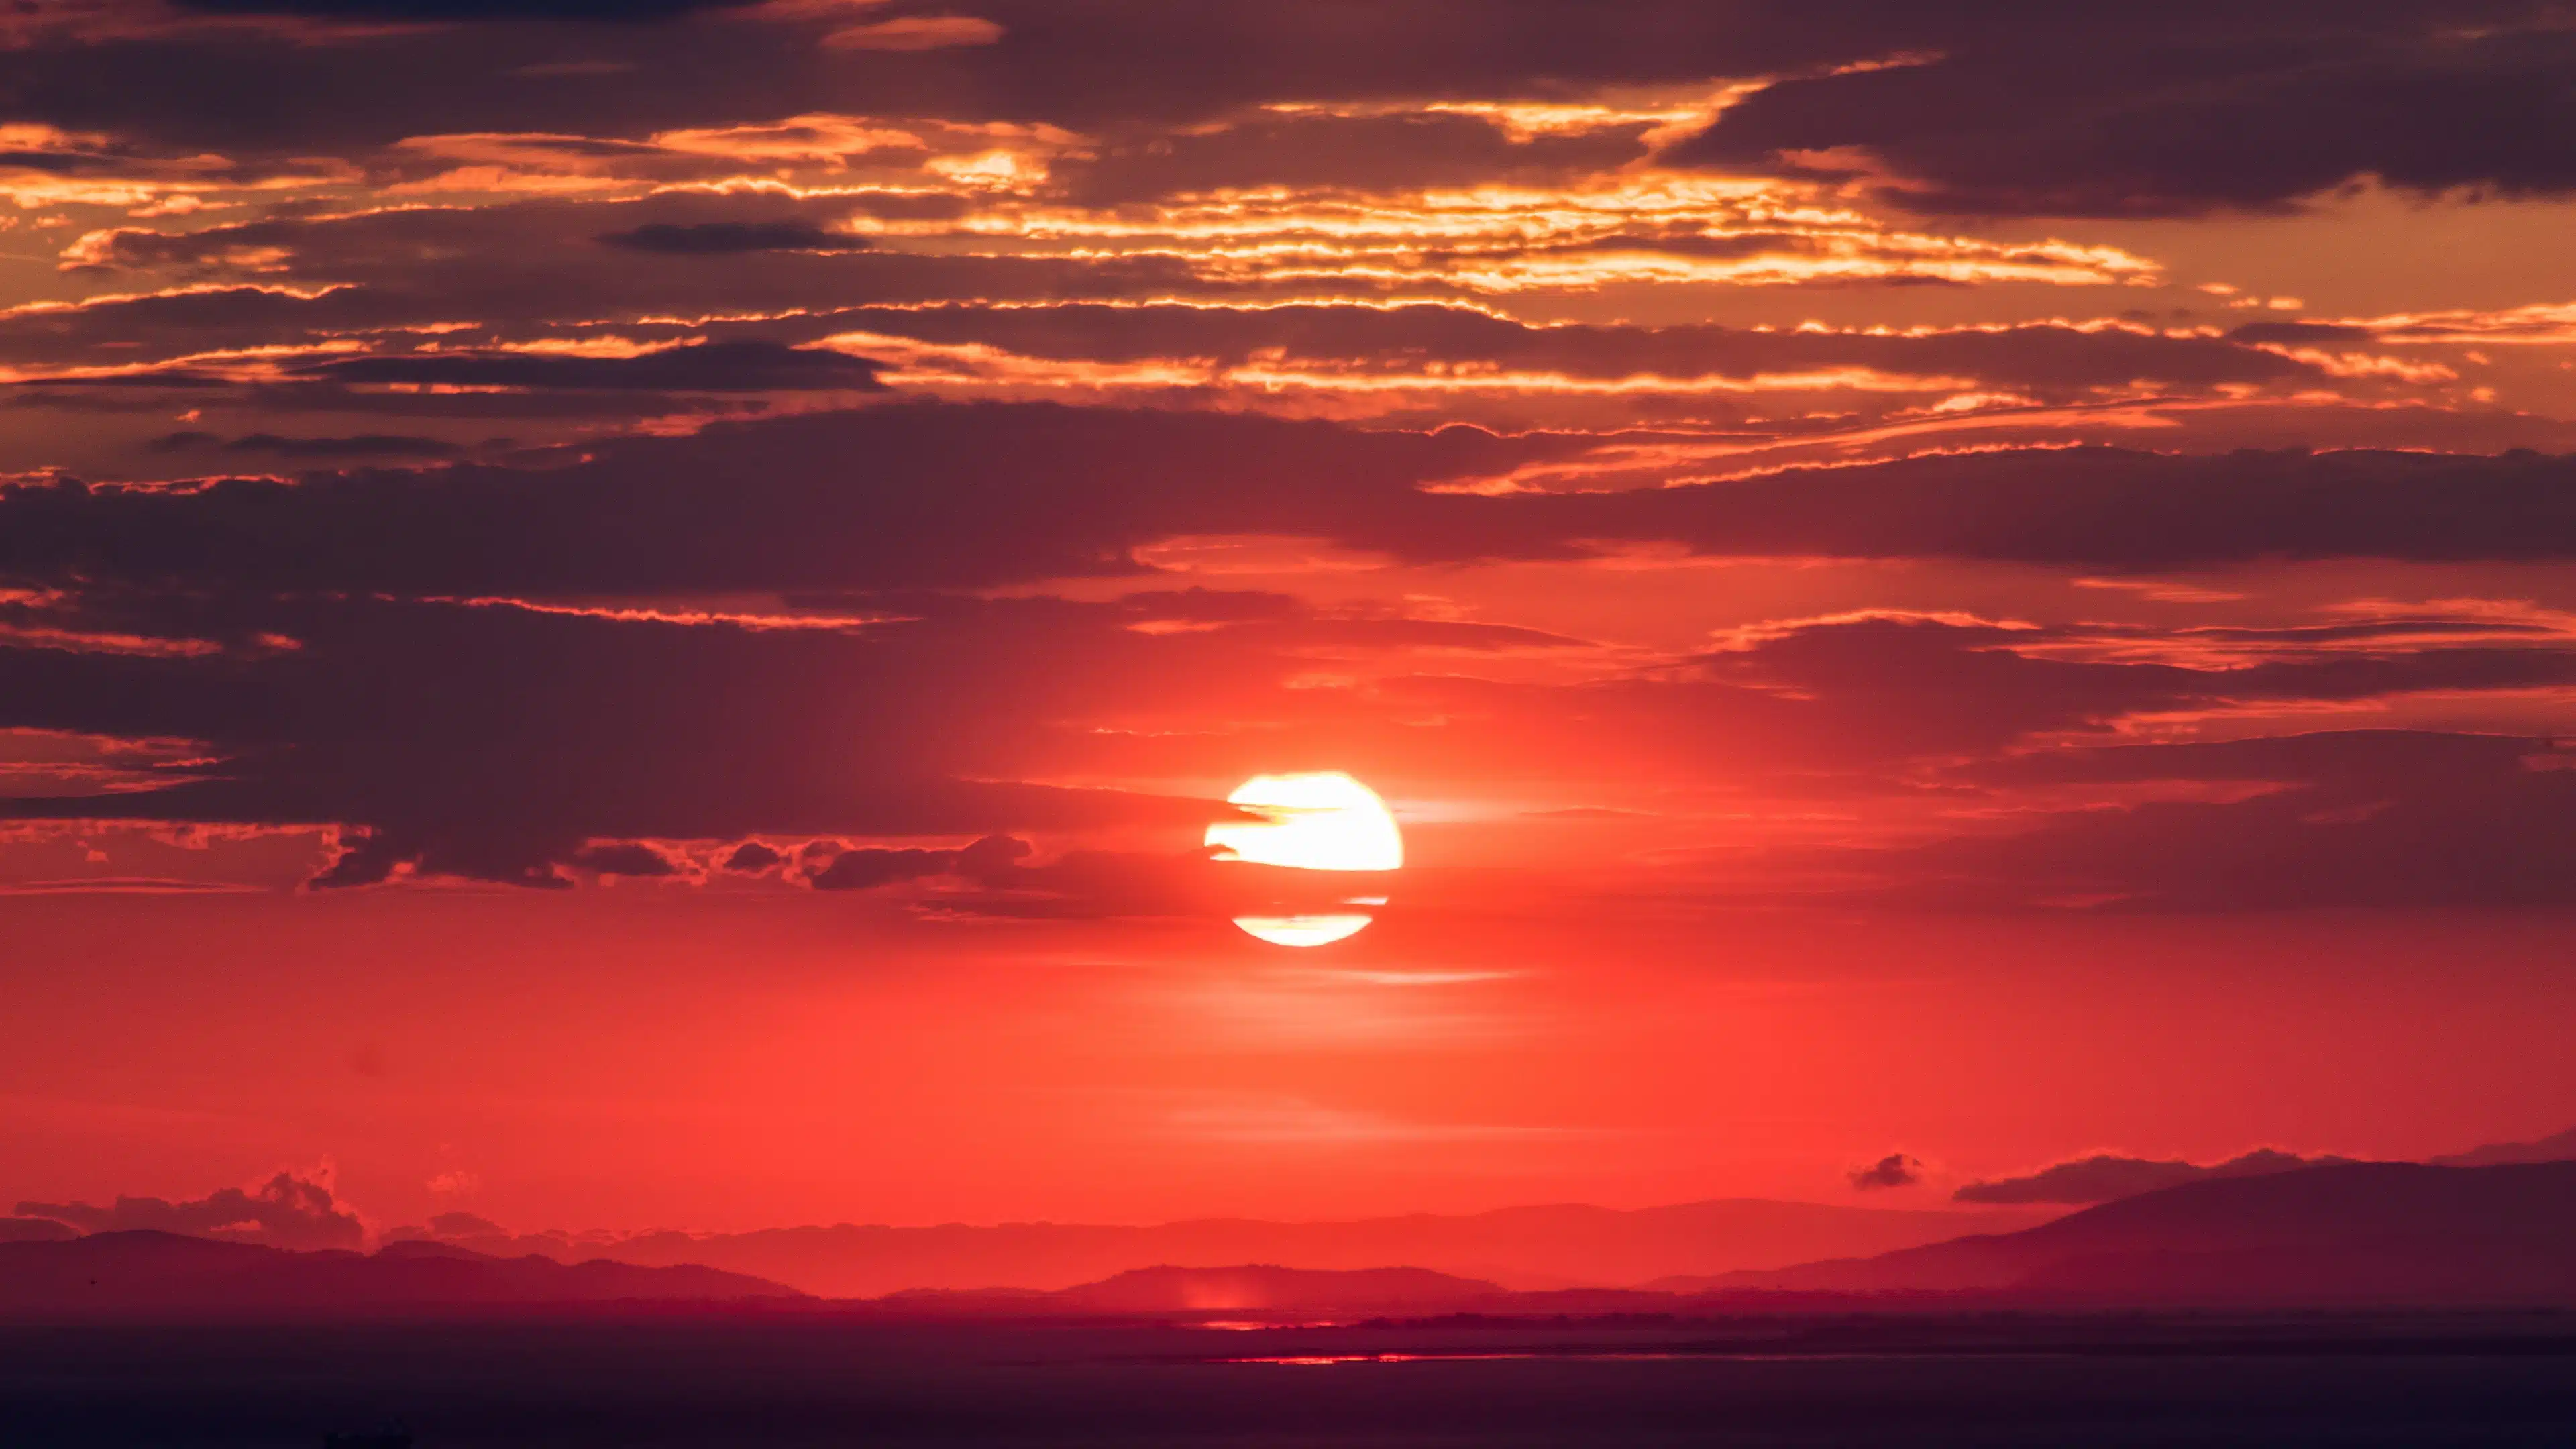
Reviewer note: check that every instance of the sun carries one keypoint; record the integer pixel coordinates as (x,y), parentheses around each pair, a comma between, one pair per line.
(1321,821)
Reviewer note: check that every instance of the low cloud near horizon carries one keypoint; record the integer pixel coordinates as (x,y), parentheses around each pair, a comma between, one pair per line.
(286,1211)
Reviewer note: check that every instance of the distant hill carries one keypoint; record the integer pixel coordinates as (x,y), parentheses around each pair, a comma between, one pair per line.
(1524,1248)
(146,1273)
(2560,1148)
(35,1230)
(2372,1232)
(1267,1288)
(2359,1234)
(1251,1290)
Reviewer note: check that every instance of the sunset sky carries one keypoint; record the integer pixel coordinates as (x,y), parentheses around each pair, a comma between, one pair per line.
(628,615)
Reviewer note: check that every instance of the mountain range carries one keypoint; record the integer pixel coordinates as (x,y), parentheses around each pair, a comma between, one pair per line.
(2348,1235)
(2364,1232)
(147,1273)
(1522,1248)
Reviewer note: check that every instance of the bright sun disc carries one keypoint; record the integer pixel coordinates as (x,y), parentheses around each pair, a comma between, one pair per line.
(1325,821)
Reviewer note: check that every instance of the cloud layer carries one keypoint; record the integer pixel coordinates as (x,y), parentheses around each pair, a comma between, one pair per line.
(782,446)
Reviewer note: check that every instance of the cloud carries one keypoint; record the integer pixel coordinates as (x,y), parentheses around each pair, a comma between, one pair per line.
(732,238)
(499,741)
(2105,1176)
(35,1230)
(886,497)
(630,858)
(613,11)
(915,32)
(367,444)
(2113,113)
(1894,1170)
(2505,838)
(2101,508)
(751,858)
(2349,758)
(1992,105)
(993,877)
(285,1212)
(714,366)
(920,494)
(1373,153)
(859,870)
(504,740)
(1427,342)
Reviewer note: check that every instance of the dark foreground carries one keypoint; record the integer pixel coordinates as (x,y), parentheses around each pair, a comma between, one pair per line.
(708,1381)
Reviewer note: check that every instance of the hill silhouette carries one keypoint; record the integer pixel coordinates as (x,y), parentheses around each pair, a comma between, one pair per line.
(1522,1248)
(1256,1290)
(147,1272)
(2560,1147)
(2357,1233)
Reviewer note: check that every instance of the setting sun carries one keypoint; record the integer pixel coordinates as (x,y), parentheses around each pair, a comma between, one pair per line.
(1322,821)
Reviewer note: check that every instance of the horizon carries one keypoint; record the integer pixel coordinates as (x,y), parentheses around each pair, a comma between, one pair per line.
(2419,1241)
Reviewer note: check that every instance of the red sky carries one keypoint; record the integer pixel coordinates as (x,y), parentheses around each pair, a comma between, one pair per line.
(630,622)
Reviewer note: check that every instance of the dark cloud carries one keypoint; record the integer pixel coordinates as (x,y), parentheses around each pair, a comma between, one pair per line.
(2095,75)
(2498,839)
(751,858)
(1104,884)
(1999,105)
(860,870)
(625,858)
(2303,334)
(514,265)
(2341,757)
(1358,153)
(2102,508)
(990,859)
(1894,1170)
(713,366)
(1840,695)
(2096,112)
(498,742)
(929,495)
(616,11)
(732,238)
(363,445)
(2104,1177)
(993,877)
(879,498)
(35,1230)
(2056,359)
(275,92)
(284,1212)
(486,851)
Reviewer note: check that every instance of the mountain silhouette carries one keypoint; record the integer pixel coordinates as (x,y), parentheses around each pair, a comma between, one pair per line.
(2358,1233)
(144,1272)
(1267,1288)
(2558,1148)
(1522,1248)
(1258,1289)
